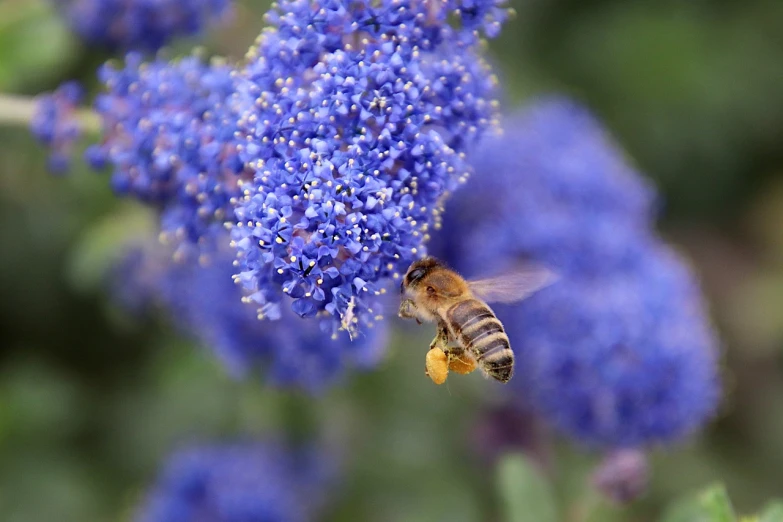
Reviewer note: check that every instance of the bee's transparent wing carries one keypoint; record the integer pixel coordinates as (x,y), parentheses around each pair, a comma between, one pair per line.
(513,286)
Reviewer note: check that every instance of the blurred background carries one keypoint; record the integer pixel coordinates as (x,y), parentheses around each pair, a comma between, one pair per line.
(92,399)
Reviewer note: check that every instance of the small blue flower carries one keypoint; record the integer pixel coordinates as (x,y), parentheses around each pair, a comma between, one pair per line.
(240,482)
(204,302)
(168,134)
(141,24)
(479,16)
(56,123)
(356,120)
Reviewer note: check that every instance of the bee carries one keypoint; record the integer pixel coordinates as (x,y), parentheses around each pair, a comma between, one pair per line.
(434,293)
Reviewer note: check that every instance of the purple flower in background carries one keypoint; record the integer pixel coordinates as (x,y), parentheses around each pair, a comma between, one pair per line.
(56,123)
(141,24)
(622,476)
(619,353)
(168,135)
(242,482)
(204,302)
(507,428)
(357,118)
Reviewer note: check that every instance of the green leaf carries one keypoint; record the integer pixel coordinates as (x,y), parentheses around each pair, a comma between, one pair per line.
(35,43)
(717,504)
(773,512)
(710,505)
(525,494)
(102,245)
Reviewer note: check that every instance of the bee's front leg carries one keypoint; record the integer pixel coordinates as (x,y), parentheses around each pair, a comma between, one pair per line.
(408,310)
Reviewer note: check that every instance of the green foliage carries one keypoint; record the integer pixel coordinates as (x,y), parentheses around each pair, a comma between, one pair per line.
(103,244)
(35,44)
(773,512)
(713,505)
(526,495)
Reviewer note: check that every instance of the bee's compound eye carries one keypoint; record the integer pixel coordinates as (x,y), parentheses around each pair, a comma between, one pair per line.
(430,290)
(415,275)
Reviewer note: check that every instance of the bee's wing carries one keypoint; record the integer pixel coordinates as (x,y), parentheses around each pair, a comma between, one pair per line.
(513,286)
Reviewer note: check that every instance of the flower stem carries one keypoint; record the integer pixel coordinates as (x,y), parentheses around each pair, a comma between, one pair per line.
(16,110)
(19,110)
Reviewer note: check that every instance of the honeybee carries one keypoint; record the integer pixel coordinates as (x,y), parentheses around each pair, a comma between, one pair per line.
(434,293)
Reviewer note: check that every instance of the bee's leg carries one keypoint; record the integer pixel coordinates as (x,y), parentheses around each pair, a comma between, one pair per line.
(436,361)
(441,338)
(408,310)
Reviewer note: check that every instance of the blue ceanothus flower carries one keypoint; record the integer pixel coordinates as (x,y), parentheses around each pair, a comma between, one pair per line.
(239,482)
(358,114)
(555,188)
(622,360)
(168,136)
(56,123)
(141,24)
(204,302)
(619,352)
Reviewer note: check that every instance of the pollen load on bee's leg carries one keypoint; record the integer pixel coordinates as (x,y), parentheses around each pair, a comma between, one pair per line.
(462,363)
(437,365)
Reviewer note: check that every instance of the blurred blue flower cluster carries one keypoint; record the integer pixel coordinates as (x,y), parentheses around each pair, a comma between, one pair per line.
(55,124)
(240,482)
(140,24)
(204,302)
(620,352)
(554,188)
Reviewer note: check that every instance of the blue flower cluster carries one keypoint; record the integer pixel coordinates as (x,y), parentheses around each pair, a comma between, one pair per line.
(168,134)
(356,122)
(328,154)
(554,188)
(203,301)
(240,482)
(140,24)
(619,352)
(621,360)
(56,123)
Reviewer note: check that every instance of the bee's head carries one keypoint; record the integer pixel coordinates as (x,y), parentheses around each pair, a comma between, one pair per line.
(417,271)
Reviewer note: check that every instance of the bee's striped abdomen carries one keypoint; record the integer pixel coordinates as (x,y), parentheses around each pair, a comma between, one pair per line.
(480,332)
